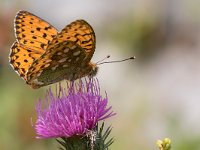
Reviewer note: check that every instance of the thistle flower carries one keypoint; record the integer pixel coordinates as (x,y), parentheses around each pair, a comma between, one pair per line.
(73,111)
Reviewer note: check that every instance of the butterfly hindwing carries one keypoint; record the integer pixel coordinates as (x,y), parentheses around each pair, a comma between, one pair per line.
(58,62)
(21,58)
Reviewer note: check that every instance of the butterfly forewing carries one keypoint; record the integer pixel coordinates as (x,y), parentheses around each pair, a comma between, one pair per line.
(33,32)
(32,35)
(79,32)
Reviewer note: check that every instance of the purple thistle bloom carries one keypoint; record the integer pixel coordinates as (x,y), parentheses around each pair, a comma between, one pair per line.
(75,112)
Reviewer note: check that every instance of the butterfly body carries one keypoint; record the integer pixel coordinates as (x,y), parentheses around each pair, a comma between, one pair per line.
(60,74)
(41,55)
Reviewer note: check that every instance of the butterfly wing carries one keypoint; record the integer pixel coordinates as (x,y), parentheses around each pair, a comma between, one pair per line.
(32,31)
(57,63)
(41,56)
(65,55)
(21,59)
(32,35)
(79,32)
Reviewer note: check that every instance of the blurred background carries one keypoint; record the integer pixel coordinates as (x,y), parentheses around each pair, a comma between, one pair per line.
(155,96)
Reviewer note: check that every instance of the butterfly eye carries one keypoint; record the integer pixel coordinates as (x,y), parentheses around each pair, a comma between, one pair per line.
(94,71)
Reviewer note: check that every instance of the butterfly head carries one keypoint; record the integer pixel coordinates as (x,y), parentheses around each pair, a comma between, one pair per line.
(93,70)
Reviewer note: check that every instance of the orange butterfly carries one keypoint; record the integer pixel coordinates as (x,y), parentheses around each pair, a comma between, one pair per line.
(42,56)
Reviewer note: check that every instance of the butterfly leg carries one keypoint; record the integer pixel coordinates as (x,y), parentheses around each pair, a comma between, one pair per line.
(59,88)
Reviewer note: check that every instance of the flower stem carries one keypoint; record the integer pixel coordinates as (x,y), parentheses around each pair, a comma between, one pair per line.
(95,139)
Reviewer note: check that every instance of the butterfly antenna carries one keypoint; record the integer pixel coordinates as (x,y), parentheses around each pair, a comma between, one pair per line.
(98,62)
(117,60)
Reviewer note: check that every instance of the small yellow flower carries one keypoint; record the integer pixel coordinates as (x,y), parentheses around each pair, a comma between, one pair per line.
(164,144)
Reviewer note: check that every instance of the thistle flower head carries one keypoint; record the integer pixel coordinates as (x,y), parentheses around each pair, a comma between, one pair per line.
(73,112)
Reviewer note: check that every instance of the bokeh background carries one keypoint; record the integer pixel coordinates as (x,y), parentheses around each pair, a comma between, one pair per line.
(155,96)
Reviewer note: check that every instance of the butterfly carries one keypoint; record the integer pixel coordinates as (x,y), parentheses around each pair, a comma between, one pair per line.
(41,55)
